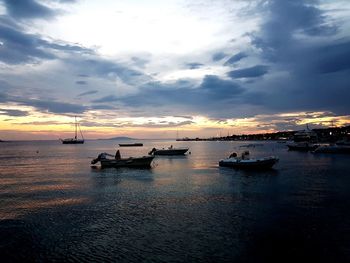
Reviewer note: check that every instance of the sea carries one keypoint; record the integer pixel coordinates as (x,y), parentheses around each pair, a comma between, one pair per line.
(55,207)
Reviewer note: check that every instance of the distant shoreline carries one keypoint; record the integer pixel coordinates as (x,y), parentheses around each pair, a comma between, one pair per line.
(324,135)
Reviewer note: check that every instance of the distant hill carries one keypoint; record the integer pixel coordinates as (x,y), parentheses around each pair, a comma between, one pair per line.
(120,138)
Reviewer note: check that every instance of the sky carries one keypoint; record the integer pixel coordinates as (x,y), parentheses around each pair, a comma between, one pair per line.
(161,69)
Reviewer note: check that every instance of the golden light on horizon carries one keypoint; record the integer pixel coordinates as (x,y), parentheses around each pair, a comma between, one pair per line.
(95,124)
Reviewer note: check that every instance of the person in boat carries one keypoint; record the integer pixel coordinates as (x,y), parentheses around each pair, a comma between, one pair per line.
(233,155)
(170,147)
(245,155)
(117,155)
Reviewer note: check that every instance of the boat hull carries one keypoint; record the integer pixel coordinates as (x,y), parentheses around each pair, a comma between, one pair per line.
(132,162)
(170,152)
(302,147)
(130,144)
(72,141)
(257,164)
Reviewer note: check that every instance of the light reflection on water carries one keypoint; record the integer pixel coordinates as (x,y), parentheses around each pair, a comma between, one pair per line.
(54,206)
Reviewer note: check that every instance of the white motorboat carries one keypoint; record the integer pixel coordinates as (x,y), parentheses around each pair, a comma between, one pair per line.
(245,162)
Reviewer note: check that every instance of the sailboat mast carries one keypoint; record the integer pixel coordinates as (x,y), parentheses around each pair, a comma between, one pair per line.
(81,132)
(75,127)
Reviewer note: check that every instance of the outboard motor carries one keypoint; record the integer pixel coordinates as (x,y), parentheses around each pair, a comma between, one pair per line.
(152,151)
(96,160)
(99,157)
(233,155)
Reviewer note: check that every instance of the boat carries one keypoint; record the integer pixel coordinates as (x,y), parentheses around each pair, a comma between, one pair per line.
(136,144)
(304,140)
(117,161)
(245,162)
(302,146)
(306,135)
(335,148)
(74,140)
(169,151)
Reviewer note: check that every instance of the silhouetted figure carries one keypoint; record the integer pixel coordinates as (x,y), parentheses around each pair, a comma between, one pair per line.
(233,155)
(117,155)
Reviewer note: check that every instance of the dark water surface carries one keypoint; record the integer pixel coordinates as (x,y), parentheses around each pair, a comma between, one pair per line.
(55,207)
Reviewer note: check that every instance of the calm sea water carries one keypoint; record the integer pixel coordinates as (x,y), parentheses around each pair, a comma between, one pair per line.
(55,207)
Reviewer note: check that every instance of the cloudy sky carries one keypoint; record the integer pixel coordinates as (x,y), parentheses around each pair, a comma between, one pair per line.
(148,69)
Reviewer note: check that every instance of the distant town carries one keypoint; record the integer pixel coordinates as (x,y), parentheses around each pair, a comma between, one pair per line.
(332,134)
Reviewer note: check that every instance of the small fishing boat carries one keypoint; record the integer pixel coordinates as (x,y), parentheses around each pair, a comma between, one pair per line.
(74,140)
(136,144)
(245,162)
(117,161)
(335,148)
(302,146)
(169,151)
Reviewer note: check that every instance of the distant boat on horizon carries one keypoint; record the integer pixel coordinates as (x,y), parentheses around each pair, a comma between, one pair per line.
(136,144)
(74,140)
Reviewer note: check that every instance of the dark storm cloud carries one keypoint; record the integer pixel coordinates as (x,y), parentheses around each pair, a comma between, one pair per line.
(53,106)
(19,47)
(103,107)
(235,58)
(27,9)
(90,92)
(333,58)
(13,113)
(194,65)
(184,116)
(251,72)
(277,35)
(218,56)
(106,69)
(213,94)
(45,105)
(110,98)
(307,49)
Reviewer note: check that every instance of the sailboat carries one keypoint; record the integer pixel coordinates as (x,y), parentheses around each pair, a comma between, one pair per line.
(75,140)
